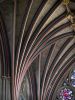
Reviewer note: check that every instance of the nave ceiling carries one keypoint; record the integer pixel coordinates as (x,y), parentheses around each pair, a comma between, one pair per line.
(39,40)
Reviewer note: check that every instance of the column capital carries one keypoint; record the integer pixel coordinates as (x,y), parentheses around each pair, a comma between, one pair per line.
(6,77)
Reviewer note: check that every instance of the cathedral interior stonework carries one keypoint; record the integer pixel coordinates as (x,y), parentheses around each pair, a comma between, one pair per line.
(37,49)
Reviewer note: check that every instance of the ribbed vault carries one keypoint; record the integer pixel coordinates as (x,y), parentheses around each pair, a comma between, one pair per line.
(43,45)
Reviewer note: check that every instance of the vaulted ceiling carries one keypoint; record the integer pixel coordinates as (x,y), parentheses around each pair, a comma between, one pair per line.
(39,38)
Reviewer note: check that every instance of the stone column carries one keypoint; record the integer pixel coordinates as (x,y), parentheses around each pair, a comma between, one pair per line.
(6,93)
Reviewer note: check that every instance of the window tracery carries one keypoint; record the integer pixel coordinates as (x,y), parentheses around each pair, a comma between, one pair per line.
(72,78)
(67,90)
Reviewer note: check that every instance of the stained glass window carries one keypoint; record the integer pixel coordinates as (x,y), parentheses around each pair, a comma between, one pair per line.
(67,89)
(66,94)
(73,78)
